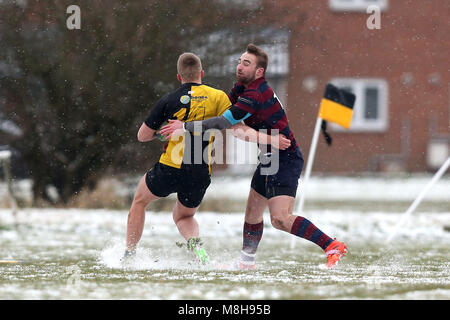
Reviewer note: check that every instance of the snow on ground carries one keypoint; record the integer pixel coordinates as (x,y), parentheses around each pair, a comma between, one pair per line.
(75,254)
(344,188)
(362,188)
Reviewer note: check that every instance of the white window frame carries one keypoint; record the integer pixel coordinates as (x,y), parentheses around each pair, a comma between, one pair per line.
(359,123)
(356,5)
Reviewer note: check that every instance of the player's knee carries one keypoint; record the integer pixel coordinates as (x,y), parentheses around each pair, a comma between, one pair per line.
(140,200)
(180,212)
(176,216)
(278,221)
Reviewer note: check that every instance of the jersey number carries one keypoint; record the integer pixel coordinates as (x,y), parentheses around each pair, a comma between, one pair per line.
(198,113)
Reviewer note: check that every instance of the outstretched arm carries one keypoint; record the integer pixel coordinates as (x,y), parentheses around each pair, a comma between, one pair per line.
(239,130)
(243,132)
(230,117)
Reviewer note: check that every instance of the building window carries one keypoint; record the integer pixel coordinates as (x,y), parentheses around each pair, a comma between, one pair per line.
(370,112)
(356,5)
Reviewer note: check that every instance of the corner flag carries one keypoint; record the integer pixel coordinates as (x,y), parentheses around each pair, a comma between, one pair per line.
(336,106)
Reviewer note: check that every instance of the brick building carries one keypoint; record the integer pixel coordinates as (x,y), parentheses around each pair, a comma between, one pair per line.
(400,74)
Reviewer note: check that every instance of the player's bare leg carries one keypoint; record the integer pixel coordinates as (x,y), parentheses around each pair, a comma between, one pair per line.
(256,205)
(136,215)
(185,221)
(188,227)
(280,208)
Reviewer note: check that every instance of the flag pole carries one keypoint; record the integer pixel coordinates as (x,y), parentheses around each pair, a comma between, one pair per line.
(332,97)
(336,106)
(309,163)
(417,201)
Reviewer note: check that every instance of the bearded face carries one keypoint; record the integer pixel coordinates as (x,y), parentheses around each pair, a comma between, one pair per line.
(247,69)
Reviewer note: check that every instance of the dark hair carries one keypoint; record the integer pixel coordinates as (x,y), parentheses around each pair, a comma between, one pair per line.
(189,66)
(262,58)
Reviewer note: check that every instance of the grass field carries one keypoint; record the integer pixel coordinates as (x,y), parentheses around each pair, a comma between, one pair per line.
(74,254)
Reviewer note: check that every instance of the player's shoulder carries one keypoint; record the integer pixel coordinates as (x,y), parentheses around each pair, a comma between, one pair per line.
(215,95)
(178,92)
(175,96)
(257,88)
(213,90)
(251,93)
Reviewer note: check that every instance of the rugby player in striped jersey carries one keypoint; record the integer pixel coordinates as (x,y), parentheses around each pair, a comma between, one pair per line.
(255,103)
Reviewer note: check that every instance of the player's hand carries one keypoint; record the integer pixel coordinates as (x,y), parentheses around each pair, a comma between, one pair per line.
(160,137)
(280,141)
(173,129)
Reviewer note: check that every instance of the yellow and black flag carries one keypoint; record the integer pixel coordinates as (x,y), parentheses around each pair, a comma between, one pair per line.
(336,106)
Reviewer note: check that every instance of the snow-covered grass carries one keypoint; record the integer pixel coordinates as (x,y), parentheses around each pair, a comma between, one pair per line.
(75,254)
(320,188)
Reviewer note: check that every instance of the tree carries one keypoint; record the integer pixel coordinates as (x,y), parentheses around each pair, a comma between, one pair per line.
(80,95)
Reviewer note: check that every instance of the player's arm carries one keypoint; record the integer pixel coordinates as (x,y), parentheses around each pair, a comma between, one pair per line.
(148,129)
(146,133)
(243,132)
(246,105)
(230,117)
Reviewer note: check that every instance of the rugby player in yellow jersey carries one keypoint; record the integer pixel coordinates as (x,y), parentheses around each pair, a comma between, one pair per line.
(179,169)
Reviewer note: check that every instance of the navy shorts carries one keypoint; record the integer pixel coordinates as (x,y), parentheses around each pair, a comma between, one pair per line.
(284,181)
(189,182)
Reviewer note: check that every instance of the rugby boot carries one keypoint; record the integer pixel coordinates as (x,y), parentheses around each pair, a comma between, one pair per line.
(195,245)
(246,261)
(335,251)
(242,265)
(128,256)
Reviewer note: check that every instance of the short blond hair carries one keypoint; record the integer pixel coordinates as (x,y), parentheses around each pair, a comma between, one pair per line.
(189,66)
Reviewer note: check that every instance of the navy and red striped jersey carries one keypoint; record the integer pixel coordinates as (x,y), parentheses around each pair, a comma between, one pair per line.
(259,100)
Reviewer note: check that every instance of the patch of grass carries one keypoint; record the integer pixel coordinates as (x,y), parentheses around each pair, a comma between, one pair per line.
(5,228)
(103,196)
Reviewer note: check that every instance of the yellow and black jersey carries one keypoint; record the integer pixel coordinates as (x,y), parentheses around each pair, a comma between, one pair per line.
(188,103)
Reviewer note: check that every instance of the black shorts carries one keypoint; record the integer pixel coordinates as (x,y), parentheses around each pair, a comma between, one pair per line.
(284,181)
(189,182)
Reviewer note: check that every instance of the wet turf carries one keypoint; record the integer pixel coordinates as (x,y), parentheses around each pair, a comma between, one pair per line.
(75,254)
